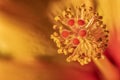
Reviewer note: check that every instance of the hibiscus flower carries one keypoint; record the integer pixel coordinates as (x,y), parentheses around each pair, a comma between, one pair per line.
(27,52)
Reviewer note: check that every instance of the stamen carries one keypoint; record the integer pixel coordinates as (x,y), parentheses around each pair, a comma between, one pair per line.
(81,33)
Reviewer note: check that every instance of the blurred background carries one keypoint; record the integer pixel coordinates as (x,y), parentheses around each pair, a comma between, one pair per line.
(27,53)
